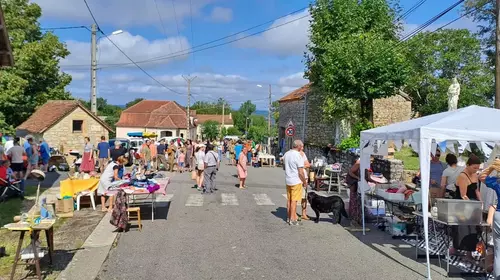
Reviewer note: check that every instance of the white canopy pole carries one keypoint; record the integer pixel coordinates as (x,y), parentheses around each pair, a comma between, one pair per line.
(363,184)
(425,159)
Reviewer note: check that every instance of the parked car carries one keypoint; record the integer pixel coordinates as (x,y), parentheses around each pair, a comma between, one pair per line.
(129,150)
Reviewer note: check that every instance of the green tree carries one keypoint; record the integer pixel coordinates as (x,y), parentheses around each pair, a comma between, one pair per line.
(257,133)
(210,129)
(353,54)
(233,131)
(36,76)
(133,102)
(275,111)
(212,108)
(438,57)
(483,12)
(246,110)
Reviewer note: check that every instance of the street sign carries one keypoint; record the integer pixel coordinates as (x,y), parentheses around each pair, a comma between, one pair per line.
(290,131)
(290,124)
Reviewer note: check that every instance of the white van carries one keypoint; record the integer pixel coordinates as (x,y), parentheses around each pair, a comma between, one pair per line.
(136,143)
(232,137)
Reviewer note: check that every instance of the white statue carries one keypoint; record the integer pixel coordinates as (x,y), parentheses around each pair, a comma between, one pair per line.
(453,94)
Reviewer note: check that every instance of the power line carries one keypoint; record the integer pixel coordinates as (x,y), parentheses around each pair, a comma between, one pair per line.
(65,27)
(213,41)
(207,48)
(162,25)
(137,65)
(411,10)
(177,24)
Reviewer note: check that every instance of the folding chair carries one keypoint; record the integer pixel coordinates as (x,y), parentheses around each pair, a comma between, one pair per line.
(9,189)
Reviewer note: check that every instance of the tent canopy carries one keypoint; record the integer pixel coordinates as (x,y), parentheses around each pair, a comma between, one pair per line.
(473,123)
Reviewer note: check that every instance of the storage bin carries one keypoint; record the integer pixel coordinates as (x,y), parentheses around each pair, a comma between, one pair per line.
(391,196)
(461,212)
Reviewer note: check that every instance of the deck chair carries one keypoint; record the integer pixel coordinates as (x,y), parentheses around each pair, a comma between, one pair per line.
(10,189)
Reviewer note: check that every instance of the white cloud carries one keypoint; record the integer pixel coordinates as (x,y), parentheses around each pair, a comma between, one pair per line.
(123,13)
(289,39)
(76,75)
(221,14)
(119,88)
(136,47)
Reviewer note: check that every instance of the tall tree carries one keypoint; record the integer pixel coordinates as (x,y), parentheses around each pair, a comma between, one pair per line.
(435,59)
(36,76)
(210,129)
(133,102)
(353,54)
(212,108)
(483,12)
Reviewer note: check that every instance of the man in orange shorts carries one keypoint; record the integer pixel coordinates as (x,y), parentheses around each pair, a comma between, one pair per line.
(294,179)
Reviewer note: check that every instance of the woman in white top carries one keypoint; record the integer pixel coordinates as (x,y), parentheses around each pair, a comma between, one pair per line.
(200,166)
(109,175)
(304,189)
(450,175)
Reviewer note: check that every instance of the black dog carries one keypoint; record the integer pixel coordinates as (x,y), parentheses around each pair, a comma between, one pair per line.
(327,204)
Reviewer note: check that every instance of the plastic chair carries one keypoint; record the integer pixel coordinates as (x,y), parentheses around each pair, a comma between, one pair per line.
(90,193)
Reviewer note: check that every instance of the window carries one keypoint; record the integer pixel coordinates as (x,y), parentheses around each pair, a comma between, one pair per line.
(77,125)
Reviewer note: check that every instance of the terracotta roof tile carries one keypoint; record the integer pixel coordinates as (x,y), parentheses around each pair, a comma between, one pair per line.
(50,113)
(218,118)
(155,114)
(297,94)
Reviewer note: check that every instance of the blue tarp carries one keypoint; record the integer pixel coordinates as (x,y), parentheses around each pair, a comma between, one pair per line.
(134,134)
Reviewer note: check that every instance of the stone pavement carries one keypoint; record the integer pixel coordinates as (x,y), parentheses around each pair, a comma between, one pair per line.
(237,234)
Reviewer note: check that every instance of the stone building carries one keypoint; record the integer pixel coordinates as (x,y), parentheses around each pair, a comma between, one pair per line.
(303,108)
(202,118)
(64,124)
(164,118)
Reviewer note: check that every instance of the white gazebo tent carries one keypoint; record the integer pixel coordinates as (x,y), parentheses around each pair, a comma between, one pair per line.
(471,124)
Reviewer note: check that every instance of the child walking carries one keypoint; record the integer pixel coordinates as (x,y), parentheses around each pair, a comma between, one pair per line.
(180,160)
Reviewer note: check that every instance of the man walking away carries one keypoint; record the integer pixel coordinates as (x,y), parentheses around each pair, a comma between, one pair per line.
(294,179)
(211,161)
(162,160)
(45,154)
(16,154)
(104,153)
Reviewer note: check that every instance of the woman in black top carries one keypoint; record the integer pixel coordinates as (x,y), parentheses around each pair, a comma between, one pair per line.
(465,237)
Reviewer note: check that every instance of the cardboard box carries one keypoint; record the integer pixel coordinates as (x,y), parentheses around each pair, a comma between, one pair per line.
(64,205)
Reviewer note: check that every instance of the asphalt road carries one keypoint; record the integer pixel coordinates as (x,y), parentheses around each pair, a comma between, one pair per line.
(239,234)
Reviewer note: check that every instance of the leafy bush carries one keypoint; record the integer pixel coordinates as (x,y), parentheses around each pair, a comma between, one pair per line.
(354,139)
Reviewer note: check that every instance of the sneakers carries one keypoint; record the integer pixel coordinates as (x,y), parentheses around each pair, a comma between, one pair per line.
(294,223)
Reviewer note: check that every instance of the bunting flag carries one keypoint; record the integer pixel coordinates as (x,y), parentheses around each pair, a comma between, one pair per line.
(433,148)
(398,144)
(450,145)
(414,145)
(442,146)
(462,146)
(486,149)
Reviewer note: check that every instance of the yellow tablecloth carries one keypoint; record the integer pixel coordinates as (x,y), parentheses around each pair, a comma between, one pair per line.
(71,187)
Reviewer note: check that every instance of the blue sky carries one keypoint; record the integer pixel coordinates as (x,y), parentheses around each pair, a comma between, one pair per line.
(232,71)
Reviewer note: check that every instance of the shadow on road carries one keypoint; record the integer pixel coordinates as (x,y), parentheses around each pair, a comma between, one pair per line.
(281,212)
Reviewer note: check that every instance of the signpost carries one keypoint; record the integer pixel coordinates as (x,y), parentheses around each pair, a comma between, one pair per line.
(290,131)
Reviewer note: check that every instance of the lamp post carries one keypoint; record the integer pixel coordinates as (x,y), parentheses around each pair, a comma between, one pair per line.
(93,66)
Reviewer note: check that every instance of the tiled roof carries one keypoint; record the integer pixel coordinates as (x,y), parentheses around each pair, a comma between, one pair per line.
(155,114)
(6,58)
(51,112)
(218,118)
(297,94)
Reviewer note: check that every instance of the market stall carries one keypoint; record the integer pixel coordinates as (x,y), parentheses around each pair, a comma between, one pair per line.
(471,124)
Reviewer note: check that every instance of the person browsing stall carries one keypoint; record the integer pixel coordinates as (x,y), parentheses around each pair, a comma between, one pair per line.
(294,180)
(110,174)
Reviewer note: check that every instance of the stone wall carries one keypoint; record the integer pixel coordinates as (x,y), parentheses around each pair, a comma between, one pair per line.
(61,134)
(391,110)
(294,111)
(392,169)
(319,132)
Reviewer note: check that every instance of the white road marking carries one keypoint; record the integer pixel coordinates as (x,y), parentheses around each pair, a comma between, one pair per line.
(164,198)
(284,195)
(194,200)
(262,199)
(229,199)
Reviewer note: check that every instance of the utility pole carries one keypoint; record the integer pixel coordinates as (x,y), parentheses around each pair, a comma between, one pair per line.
(189,80)
(269,121)
(497,56)
(222,127)
(93,70)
